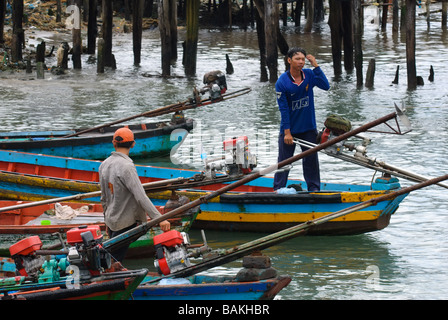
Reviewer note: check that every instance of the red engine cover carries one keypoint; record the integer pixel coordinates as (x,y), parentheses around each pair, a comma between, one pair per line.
(26,246)
(231,143)
(74,235)
(169,239)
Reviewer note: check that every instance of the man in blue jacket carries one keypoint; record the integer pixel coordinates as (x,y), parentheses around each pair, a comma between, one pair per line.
(295,100)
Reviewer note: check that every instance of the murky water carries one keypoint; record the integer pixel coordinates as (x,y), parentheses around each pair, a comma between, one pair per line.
(407,260)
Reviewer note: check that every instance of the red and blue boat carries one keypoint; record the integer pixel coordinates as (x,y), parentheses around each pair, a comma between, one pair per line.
(250,207)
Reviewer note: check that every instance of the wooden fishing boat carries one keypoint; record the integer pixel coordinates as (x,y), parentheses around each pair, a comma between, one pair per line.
(54,281)
(251,207)
(206,287)
(43,221)
(153,139)
(109,286)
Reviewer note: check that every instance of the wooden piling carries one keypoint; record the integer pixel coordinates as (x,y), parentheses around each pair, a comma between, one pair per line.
(107,14)
(62,55)
(40,52)
(137,29)
(2,20)
(370,76)
(229,65)
(309,16)
(191,43)
(92,28)
(334,22)
(357,37)
(397,75)
(347,34)
(165,36)
(17,31)
(100,56)
(431,74)
(262,46)
(410,45)
(58,10)
(40,70)
(271,31)
(76,35)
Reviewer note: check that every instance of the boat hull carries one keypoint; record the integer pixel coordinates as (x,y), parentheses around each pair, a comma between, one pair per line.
(213,288)
(16,224)
(251,207)
(110,286)
(155,139)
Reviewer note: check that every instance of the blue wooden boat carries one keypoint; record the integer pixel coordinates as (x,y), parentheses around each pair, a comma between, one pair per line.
(153,139)
(197,287)
(206,287)
(251,207)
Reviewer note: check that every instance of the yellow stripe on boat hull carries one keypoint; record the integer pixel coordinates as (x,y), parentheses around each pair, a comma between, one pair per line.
(283,217)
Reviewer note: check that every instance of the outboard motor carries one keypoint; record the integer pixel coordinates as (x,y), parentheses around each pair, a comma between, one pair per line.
(237,159)
(334,126)
(28,264)
(86,251)
(171,251)
(215,82)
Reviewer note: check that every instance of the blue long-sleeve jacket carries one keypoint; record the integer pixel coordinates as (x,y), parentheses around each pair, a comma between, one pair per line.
(296,101)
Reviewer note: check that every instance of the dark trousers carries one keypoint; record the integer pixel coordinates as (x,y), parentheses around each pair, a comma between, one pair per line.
(119,253)
(310,164)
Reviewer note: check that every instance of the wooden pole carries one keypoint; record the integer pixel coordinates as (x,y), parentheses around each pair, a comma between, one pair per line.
(137,29)
(40,52)
(370,76)
(334,21)
(271,31)
(165,36)
(2,20)
(347,34)
(173,30)
(100,56)
(17,30)
(58,10)
(191,43)
(395,10)
(410,45)
(262,46)
(109,59)
(357,30)
(444,14)
(76,34)
(92,29)
(309,17)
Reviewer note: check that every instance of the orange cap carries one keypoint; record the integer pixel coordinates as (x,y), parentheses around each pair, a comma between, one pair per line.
(123,135)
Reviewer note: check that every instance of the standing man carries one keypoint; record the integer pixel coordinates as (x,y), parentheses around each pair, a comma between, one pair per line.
(295,100)
(124,200)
